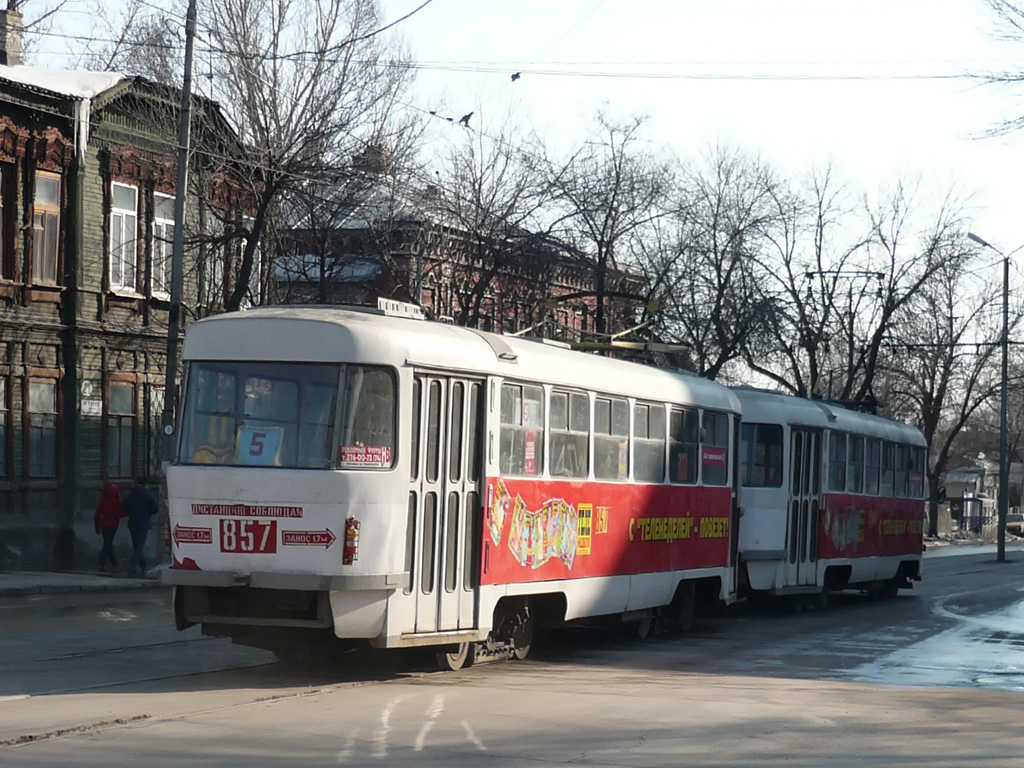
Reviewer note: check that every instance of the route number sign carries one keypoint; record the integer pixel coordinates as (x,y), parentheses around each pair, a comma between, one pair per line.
(248,536)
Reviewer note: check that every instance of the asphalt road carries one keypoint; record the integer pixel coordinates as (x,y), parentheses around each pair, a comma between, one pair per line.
(934,677)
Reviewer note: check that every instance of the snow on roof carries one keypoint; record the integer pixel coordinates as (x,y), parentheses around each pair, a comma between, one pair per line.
(74,83)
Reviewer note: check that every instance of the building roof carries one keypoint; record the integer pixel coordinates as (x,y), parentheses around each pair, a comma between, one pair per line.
(69,83)
(964,475)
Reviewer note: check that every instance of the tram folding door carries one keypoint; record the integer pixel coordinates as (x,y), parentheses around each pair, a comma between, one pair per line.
(804,506)
(445,491)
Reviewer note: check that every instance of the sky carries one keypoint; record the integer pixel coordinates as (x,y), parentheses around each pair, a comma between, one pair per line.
(875,87)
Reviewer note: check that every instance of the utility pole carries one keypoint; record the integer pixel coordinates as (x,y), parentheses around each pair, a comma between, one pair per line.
(1003,499)
(178,252)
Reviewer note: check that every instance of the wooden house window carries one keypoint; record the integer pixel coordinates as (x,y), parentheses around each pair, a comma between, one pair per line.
(42,428)
(45,228)
(163,244)
(124,227)
(120,429)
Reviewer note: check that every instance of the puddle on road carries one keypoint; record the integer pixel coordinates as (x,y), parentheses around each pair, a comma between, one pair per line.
(980,652)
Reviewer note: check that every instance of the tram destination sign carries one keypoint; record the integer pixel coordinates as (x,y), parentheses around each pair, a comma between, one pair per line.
(184,534)
(322,538)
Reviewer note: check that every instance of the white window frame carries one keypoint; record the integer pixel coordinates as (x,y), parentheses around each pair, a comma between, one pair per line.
(124,224)
(163,248)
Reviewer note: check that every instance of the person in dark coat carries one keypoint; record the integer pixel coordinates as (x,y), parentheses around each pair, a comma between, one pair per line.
(108,514)
(141,506)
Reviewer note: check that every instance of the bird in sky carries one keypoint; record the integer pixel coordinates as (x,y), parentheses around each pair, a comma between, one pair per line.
(464,120)
(516,76)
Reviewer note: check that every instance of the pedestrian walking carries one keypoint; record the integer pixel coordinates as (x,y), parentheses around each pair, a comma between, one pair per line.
(106,519)
(141,506)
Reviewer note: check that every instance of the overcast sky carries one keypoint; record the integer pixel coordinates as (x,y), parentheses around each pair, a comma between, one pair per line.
(876,86)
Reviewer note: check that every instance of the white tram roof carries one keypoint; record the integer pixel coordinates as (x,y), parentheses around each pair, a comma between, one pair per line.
(334,334)
(765,406)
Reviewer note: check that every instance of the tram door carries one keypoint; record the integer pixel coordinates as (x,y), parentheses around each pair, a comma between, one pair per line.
(445,501)
(804,506)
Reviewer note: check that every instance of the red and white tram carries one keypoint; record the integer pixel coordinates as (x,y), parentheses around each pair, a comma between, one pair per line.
(832,498)
(411,483)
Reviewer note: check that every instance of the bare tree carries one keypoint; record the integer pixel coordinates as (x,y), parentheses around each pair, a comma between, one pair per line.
(308,85)
(37,18)
(490,196)
(605,195)
(940,362)
(713,298)
(1010,17)
(137,39)
(839,296)
(805,263)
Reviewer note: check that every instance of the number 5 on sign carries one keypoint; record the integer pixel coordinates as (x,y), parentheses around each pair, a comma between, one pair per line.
(258,445)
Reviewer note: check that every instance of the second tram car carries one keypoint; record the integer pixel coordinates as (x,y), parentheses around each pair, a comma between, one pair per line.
(402,482)
(832,498)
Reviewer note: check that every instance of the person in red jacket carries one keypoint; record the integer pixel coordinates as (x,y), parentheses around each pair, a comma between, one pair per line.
(108,515)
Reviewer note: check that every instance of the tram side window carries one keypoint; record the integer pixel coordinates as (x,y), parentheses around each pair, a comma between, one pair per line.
(367,439)
(855,476)
(522,430)
(611,439)
(917,468)
(714,450)
(683,446)
(649,443)
(761,455)
(872,465)
(887,486)
(570,434)
(837,462)
(902,470)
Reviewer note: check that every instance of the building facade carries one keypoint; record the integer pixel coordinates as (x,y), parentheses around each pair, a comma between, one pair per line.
(399,243)
(88,171)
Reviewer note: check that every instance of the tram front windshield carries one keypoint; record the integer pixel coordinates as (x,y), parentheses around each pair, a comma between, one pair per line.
(288,415)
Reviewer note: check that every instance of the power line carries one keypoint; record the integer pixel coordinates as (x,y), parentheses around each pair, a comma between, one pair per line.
(326,54)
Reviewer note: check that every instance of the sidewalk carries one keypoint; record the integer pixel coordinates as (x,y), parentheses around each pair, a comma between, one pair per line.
(19,583)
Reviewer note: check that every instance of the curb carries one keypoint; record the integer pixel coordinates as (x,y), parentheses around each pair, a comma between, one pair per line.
(70,584)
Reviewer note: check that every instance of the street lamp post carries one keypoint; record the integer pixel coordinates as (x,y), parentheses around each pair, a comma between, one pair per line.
(1004,343)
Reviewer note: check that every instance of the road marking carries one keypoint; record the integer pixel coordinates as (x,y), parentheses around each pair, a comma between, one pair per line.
(433,712)
(346,751)
(15,698)
(380,738)
(472,736)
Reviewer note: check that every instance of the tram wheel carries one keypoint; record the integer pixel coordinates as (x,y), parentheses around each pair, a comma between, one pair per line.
(823,599)
(684,610)
(644,627)
(522,635)
(462,657)
(890,589)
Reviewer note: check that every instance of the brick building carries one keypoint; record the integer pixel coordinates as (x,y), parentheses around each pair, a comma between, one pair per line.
(398,242)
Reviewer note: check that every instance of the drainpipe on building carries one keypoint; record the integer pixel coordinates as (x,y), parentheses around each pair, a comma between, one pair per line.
(70,494)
